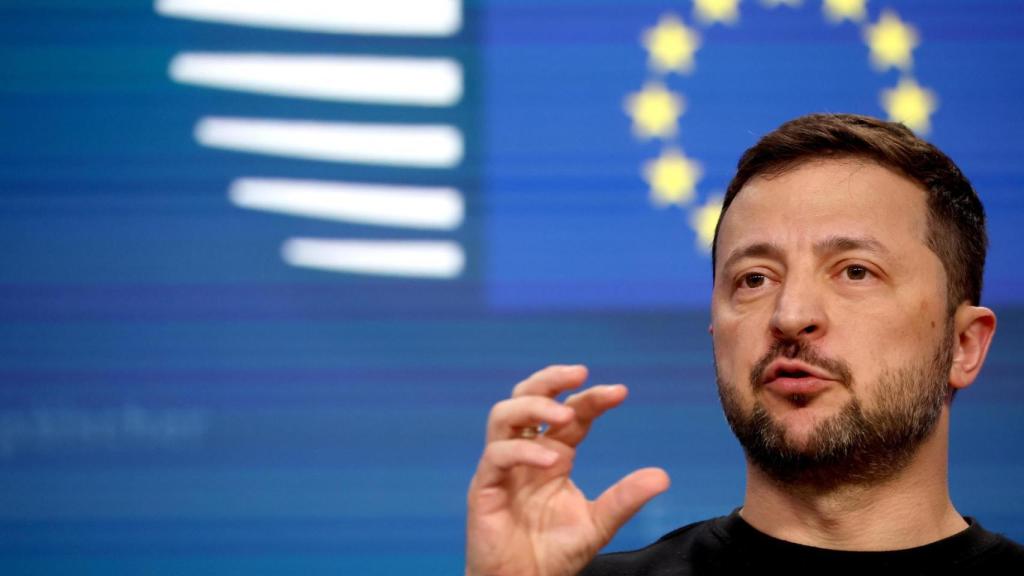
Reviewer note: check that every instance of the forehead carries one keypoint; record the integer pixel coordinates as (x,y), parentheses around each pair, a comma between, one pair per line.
(826,198)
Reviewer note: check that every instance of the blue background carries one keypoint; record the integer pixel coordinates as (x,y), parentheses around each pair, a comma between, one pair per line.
(176,399)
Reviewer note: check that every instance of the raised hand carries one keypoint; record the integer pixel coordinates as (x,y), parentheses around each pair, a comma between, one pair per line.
(525,516)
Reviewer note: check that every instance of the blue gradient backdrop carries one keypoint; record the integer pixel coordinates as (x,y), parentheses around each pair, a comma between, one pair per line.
(174,399)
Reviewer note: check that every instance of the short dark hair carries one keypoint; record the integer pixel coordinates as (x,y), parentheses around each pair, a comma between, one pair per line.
(956,218)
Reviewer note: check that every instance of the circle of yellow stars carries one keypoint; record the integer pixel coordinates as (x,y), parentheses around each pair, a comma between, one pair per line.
(672,46)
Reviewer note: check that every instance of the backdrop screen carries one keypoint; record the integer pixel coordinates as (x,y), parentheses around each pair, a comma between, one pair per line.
(266,265)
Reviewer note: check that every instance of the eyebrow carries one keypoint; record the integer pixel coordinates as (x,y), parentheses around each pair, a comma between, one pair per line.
(830,245)
(834,244)
(755,250)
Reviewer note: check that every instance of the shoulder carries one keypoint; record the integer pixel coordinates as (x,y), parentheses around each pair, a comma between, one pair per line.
(677,552)
(996,551)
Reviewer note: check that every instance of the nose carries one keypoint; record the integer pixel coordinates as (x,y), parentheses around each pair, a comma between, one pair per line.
(799,310)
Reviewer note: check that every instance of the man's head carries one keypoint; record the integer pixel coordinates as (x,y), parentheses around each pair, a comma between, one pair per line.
(848,263)
(956,218)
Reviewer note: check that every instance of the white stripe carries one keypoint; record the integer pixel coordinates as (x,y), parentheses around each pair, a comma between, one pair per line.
(388,17)
(375,204)
(419,81)
(430,146)
(415,258)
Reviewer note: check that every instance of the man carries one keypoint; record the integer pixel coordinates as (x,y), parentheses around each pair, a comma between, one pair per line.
(845,316)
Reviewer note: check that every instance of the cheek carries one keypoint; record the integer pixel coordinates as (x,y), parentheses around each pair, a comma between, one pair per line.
(888,332)
(738,346)
(872,343)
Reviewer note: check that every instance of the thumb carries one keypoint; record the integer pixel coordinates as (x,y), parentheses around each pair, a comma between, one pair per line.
(625,498)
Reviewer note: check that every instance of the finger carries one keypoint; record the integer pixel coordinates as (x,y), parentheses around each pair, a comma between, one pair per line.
(501,457)
(551,381)
(587,406)
(625,498)
(514,414)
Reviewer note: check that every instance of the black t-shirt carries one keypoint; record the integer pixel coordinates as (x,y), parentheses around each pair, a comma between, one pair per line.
(728,545)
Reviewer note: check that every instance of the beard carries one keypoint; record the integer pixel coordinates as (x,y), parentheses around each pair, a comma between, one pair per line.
(854,446)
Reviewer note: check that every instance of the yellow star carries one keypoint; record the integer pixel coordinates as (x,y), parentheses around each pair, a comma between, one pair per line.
(711,11)
(673,178)
(671,45)
(704,219)
(655,111)
(910,104)
(777,3)
(839,10)
(891,41)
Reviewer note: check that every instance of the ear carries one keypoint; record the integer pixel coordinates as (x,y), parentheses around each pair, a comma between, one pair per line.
(974,327)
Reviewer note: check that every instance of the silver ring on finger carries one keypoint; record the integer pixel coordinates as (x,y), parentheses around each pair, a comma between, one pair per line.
(530,432)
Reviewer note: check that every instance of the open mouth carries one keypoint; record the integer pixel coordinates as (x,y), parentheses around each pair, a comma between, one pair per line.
(787,369)
(796,381)
(792,374)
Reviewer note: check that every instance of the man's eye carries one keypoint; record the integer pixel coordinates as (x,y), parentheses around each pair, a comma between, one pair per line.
(855,272)
(753,280)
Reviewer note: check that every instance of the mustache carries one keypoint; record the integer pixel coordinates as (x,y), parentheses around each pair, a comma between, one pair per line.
(802,351)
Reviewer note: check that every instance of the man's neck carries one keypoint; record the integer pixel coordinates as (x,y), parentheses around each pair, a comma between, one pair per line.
(910,509)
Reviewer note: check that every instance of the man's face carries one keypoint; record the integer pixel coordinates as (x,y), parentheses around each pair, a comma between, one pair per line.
(831,337)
